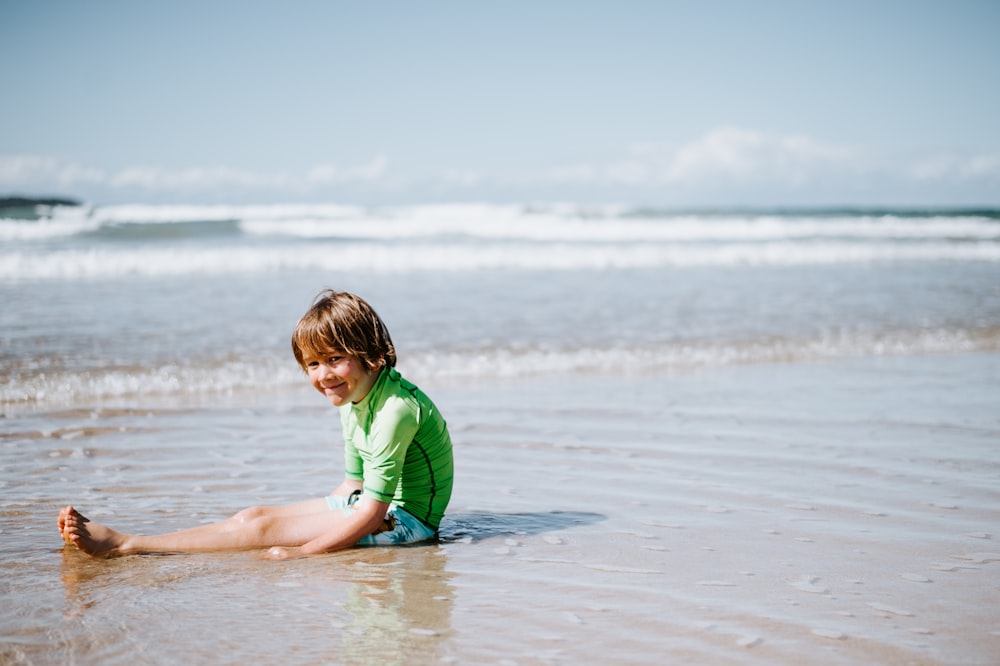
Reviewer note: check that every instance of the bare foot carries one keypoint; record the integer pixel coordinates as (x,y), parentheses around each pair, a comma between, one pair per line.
(63,512)
(90,537)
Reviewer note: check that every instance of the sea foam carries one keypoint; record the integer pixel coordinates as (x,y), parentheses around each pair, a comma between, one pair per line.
(111,262)
(268,374)
(512,222)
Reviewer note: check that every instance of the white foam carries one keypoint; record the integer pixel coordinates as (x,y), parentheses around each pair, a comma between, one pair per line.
(160,214)
(499,362)
(153,261)
(45,229)
(278,373)
(556,223)
(71,387)
(514,223)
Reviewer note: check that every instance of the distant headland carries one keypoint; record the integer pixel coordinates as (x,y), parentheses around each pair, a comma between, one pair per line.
(25,202)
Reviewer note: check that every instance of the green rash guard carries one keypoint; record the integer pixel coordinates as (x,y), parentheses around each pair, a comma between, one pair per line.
(396,442)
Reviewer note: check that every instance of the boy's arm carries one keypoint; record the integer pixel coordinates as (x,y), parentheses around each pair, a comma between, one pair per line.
(366,517)
(347,487)
(368,514)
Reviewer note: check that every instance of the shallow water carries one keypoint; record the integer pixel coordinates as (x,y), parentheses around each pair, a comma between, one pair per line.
(680,438)
(835,513)
(109,306)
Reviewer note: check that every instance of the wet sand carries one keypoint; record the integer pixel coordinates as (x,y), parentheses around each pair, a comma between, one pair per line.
(835,513)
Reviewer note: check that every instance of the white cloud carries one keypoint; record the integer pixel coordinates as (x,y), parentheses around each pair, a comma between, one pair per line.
(731,164)
(329,174)
(197,178)
(46,173)
(726,154)
(28,170)
(723,164)
(751,155)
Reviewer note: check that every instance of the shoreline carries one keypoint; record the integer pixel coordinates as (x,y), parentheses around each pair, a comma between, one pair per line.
(834,513)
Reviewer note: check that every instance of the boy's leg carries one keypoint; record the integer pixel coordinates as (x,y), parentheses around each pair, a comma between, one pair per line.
(257,527)
(281,510)
(298,508)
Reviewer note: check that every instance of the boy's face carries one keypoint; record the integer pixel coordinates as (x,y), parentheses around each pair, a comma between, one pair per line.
(339,377)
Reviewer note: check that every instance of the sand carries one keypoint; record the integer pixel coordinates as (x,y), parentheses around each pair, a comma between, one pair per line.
(836,513)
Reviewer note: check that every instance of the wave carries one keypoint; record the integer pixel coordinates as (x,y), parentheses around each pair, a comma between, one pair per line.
(67,222)
(676,229)
(63,226)
(685,356)
(109,263)
(495,222)
(192,384)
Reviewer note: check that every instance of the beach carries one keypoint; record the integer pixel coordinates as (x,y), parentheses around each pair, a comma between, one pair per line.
(666,452)
(831,514)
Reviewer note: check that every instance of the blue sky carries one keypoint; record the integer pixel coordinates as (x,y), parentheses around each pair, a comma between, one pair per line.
(685,104)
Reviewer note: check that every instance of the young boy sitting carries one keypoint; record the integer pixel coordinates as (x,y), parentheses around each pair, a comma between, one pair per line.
(398,456)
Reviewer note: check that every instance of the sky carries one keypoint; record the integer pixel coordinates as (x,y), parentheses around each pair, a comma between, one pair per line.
(676,104)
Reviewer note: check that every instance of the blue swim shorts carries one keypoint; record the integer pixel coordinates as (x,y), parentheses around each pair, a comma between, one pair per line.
(399,527)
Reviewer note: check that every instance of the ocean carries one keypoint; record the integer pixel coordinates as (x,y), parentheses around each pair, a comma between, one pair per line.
(686,437)
(121,303)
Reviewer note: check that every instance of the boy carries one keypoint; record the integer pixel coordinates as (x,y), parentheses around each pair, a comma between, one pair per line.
(398,455)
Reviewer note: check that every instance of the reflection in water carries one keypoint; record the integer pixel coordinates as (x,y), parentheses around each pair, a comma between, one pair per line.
(369,605)
(399,608)
(385,605)
(76,571)
(400,604)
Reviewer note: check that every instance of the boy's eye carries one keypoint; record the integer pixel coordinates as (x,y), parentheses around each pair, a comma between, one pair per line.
(329,360)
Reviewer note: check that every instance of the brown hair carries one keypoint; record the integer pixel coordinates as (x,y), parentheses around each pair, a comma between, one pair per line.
(343,323)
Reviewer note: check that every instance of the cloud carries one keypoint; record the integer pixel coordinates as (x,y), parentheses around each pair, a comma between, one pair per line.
(29,170)
(723,155)
(725,164)
(750,155)
(329,174)
(197,178)
(732,165)
(44,172)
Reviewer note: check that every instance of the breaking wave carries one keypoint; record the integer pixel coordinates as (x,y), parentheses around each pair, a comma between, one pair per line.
(191,383)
